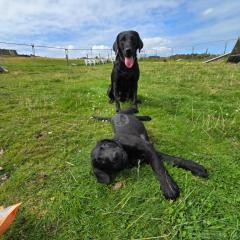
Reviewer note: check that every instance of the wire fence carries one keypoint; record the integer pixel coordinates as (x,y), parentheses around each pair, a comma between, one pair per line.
(208,48)
(30,49)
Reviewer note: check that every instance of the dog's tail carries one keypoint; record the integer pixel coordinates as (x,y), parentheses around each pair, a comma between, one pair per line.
(102,118)
(144,118)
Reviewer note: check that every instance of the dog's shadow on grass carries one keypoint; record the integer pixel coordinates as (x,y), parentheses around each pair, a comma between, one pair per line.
(149,101)
(169,104)
(146,101)
(163,101)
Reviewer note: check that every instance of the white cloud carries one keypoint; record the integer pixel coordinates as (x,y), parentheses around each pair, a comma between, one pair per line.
(94,47)
(70,46)
(41,16)
(217,9)
(164,49)
(88,23)
(220,22)
(207,11)
(155,43)
(156,46)
(82,24)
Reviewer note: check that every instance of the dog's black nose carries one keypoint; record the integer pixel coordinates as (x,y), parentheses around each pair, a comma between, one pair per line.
(116,156)
(128,51)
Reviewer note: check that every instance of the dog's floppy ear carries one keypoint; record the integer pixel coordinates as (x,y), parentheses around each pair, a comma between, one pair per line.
(102,177)
(140,43)
(115,45)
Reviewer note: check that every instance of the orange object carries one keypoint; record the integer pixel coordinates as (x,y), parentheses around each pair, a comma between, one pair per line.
(7,216)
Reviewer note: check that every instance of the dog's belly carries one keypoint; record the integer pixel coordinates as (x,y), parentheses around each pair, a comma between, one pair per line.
(120,121)
(126,124)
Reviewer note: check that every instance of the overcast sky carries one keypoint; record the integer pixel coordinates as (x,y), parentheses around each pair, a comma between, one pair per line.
(95,23)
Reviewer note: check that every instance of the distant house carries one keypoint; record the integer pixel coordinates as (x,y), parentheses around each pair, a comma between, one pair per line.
(8,52)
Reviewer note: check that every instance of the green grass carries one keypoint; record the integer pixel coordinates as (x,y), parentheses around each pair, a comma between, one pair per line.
(46,135)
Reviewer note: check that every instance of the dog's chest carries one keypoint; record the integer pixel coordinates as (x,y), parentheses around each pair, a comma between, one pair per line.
(126,76)
(126,82)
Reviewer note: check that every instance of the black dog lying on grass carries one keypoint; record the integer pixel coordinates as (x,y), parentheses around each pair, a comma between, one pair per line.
(131,144)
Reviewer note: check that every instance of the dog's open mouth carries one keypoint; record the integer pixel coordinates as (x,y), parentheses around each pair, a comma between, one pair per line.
(129,61)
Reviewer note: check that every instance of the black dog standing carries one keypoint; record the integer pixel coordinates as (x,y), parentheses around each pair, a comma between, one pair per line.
(131,143)
(125,73)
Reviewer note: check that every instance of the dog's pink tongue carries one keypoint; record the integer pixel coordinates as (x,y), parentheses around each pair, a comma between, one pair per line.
(129,62)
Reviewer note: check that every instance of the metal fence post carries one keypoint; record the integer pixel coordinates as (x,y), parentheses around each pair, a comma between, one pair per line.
(33,50)
(225,46)
(66,54)
(192,49)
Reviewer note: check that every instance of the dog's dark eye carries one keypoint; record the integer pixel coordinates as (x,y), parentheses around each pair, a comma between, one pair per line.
(103,146)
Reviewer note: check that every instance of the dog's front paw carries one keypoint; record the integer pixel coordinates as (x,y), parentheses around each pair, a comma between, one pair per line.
(135,109)
(170,189)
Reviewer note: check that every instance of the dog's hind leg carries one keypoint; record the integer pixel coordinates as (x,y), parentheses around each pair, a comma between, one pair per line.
(110,94)
(195,168)
(116,97)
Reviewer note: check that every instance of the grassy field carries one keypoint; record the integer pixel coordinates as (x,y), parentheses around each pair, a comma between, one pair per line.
(46,135)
